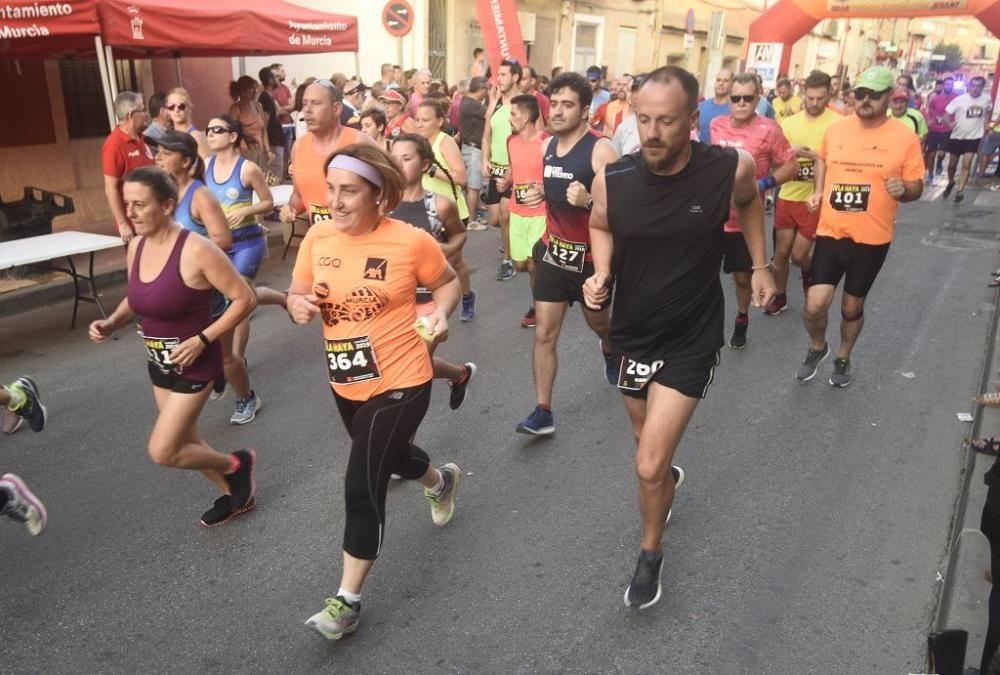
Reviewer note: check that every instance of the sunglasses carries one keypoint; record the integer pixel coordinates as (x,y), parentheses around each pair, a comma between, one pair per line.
(862,93)
(177,106)
(745,98)
(218,130)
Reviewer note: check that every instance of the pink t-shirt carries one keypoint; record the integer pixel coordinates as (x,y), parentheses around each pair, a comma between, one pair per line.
(936,116)
(762,138)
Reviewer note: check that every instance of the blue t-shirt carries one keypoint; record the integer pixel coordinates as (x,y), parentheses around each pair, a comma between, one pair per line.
(765,109)
(600,98)
(708,110)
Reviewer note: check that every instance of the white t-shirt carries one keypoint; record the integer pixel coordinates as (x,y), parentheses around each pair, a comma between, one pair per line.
(971,115)
(626,139)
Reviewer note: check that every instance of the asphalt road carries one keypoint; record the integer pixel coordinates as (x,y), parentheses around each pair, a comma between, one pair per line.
(808,538)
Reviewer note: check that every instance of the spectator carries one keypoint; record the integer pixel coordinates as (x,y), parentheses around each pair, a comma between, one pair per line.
(159,119)
(388,77)
(397,76)
(601,95)
(472,119)
(456,104)
(180,109)
(478,68)
(123,151)
(421,87)
(711,108)
(247,110)
(354,99)
(339,80)
(275,171)
(297,118)
(407,80)
(399,121)
(282,95)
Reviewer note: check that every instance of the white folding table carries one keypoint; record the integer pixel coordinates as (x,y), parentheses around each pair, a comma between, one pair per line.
(39,251)
(281,195)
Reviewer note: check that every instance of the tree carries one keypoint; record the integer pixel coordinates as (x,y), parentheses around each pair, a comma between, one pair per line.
(952,60)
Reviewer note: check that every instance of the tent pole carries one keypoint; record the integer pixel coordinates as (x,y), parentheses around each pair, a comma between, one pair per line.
(177,65)
(110,61)
(105,84)
(357,65)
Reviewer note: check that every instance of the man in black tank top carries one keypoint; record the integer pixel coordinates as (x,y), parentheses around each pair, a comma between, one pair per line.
(656,231)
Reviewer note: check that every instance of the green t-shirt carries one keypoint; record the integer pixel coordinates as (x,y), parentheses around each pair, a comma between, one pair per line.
(501,131)
(913,119)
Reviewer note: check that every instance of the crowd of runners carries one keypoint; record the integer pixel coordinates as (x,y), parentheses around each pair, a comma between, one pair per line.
(628,202)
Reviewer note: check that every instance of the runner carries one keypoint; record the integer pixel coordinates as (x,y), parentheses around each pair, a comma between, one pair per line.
(939,131)
(373,123)
(399,120)
(899,107)
(745,129)
(527,224)
(234,180)
(785,104)
(496,162)
(562,256)
(180,337)
(438,216)
(17,502)
(380,370)
(867,164)
(714,107)
(656,231)
(794,224)
(626,140)
(448,182)
(969,119)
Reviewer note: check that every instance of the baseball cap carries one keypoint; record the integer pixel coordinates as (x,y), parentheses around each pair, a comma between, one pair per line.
(876,78)
(900,92)
(393,96)
(177,141)
(593,73)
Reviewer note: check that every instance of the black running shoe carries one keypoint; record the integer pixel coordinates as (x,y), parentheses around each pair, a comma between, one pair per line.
(32,409)
(242,482)
(739,338)
(948,188)
(644,591)
(459,389)
(221,512)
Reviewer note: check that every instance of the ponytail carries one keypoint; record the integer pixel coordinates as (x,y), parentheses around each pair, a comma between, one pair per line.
(426,153)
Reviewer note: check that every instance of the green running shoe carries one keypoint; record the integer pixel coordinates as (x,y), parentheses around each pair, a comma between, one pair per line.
(443,504)
(340,618)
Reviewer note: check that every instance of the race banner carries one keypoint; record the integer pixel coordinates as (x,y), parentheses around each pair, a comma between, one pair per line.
(765,58)
(501,32)
(902,6)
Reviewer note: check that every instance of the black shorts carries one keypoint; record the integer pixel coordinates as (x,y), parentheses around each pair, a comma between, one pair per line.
(491,196)
(735,254)
(938,140)
(834,258)
(555,284)
(689,375)
(220,303)
(175,383)
(959,146)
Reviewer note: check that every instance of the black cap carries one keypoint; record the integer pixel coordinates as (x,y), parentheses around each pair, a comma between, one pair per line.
(177,141)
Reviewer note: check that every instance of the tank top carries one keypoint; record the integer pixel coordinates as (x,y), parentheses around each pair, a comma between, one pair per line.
(308,175)
(525,169)
(394,128)
(440,184)
(172,312)
(231,193)
(568,224)
(668,233)
(183,213)
(423,215)
(500,131)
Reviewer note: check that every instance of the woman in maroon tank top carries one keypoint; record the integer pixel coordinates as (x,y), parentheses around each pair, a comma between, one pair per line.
(172,274)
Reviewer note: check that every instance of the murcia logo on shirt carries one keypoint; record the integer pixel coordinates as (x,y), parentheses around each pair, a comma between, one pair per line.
(133,153)
(557,172)
(376,269)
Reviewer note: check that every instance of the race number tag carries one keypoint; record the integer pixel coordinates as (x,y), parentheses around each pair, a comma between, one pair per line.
(850,198)
(974,113)
(569,255)
(498,171)
(807,170)
(318,212)
(158,352)
(634,375)
(521,192)
(351,360)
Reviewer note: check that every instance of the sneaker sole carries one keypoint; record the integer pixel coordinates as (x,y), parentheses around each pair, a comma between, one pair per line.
(544,431)
(776,313)
(29,497)
(677,486)
(472,375)
(456,473)
(816,369)
(253,416)
(331,636)
(840,386)
(249,506)
(656,598)
(735,348)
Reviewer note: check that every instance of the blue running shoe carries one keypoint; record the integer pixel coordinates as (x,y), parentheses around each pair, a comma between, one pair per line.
(469,306)
(539,423)
(611,368)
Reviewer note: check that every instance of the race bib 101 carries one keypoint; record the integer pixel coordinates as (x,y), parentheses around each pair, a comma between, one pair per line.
(351,360)
(850,198)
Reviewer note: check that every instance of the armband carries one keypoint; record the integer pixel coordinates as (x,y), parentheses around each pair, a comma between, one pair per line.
(766,183)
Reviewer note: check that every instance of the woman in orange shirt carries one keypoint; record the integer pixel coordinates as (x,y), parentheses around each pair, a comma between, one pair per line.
(359,271)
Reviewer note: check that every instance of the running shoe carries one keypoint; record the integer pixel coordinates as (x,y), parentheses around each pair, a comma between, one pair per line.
(959,196)
(338,619)
(644,591)
(222,511)
(443,503)
(459,389)
(246,409)
(769,204)
(469,306)
(529,319)
(477,225)
(778,305)
(22,505)
(539,423)
(12,422)
(242,482)
(506,271)
(32,408)
(739,338)
(611,368)
(218,390)
(948,188)
(807,370)
(678,474)
(841,376)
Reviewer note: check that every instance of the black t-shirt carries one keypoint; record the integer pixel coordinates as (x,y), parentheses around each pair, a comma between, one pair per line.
(275,135)
(472,120)
(668,233)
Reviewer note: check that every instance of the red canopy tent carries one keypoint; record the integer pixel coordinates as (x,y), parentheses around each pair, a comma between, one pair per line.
(30,29)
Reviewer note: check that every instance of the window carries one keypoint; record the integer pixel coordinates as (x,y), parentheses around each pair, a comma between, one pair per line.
(588,41)
(83,98)
(26,115)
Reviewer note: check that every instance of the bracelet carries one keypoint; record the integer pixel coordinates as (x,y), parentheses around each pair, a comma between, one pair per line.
(758,268)
(205,340)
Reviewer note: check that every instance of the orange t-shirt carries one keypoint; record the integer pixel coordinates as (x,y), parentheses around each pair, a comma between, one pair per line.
(368,288)
(855,202)
(308,176)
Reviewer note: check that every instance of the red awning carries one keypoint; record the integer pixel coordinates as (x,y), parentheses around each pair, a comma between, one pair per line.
(36,28)
(151,28)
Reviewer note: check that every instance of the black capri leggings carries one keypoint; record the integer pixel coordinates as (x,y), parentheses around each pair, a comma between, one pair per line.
(380,430)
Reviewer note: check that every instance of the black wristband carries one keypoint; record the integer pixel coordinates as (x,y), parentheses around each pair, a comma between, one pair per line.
(205,340)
